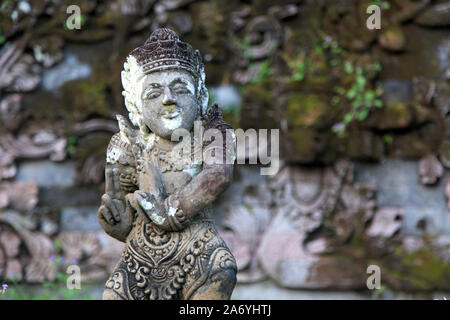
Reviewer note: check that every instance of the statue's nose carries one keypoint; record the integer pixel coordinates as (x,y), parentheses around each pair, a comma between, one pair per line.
(168,98)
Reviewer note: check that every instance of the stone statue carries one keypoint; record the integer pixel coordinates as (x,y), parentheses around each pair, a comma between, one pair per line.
(156,199)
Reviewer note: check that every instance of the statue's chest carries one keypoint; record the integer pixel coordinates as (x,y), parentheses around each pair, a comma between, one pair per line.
(174,180)
(173,169)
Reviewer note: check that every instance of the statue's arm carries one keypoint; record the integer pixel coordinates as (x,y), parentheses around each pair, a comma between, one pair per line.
(204,188)
(176,211)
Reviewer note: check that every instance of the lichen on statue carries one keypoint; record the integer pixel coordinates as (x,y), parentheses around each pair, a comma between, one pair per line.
(156,199)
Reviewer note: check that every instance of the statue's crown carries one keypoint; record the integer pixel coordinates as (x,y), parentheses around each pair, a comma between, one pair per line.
(164,50)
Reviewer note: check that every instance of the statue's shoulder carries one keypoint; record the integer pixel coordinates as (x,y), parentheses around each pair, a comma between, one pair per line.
(120,147)
(120,151)
(213,119)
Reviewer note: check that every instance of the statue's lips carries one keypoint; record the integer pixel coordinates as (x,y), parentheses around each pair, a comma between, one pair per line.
(171,112)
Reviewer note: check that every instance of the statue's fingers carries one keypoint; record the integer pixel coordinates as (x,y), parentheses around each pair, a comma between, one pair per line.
(145,200)
(109,184)
(105,215)
(133,202)
(111,206)
(116,181)
(120,206)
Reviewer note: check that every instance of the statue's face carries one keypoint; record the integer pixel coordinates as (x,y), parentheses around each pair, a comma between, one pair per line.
(169,101)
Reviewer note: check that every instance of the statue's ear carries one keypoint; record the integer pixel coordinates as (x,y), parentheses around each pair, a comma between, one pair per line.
(127,132)
(203,98)
(142,126)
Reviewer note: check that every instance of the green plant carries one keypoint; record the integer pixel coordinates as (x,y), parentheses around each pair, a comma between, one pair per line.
(383,4)
(377,293)
(388,139)
(72,141)
(243,45)
(327,53)
(360,95)
(354,82)
(300,70)
(264,71)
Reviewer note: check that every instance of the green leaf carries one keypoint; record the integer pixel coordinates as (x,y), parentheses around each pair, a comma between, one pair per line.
(360,81)
(351,93)
(298,76)
(348,118)
(340,90)
(377,66)
(348,67)
(336,50)
(378,103)
(362,114)
(356,103)
(369,96)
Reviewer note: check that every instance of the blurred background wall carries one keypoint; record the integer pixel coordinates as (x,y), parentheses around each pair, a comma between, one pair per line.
(364,136)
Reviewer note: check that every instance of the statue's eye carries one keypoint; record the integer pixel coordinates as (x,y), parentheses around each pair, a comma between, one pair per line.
(153,94)
(180,89)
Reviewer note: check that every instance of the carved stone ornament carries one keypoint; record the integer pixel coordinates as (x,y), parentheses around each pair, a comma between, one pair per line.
(157,201)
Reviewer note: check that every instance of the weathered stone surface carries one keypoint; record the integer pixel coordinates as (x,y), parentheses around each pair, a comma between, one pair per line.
(33,263)
(414,145)
(447,193)
(392,39)
(441,98)
(11,113)
(430,169)
(69,69)
(364,145)
(19,74)
(436,16)
(165,214)
(10,243)
(30,255)
(270,290)
(72,196)
(46,173)
(94,251)
(409,10)
(397,184)
(386,223)
(332,273)
(79,218)
(278,228)
(21,196)
(393,116)
(48,50)
(34,146)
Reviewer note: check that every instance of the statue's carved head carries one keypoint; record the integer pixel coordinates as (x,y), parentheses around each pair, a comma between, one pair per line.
(164,84)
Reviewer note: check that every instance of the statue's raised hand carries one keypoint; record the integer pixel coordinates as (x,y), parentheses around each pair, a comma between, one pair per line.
(115,215)
(153,208)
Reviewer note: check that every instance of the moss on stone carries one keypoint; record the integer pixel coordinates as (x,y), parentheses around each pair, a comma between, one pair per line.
(85,97)
(420,270)
(303,146)
(306,110)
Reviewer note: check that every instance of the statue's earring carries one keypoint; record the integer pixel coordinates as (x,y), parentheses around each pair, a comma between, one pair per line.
(143,127)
